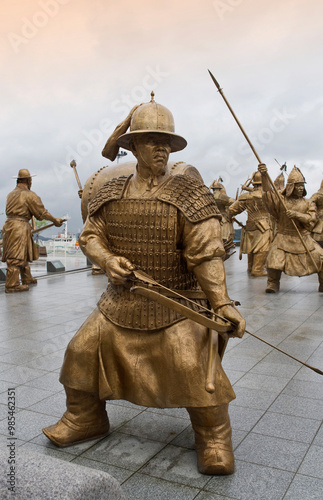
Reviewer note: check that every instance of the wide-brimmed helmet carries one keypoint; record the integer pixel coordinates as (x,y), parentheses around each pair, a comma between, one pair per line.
(24,174)
(152,117)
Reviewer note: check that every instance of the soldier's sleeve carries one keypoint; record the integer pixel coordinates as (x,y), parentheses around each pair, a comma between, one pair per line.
(312,216)
(93,239)
(203,251)
(202,241)
(36,206)
(237,207)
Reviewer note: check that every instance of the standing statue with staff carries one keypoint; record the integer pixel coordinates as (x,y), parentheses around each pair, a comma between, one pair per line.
(157,237)
(18,246)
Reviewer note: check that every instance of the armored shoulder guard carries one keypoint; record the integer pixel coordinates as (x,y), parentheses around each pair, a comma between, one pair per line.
(111,190)
(192,198)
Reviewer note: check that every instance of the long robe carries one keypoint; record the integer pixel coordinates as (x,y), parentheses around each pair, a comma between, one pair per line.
(287,253)
(257,233)
(21,205)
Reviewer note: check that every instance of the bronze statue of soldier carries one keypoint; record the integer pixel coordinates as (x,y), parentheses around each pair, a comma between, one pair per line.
(134,348)
(223,202)
(293,250)
(256,236)
(317,231)
(18,246)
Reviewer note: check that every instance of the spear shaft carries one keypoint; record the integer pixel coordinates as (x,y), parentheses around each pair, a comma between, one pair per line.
(269,178)
(234,116)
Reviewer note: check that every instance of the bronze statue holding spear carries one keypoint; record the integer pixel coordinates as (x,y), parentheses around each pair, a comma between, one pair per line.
(293,250)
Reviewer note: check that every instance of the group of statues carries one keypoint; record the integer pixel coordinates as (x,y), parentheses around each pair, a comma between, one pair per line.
(159,239)
(283,232)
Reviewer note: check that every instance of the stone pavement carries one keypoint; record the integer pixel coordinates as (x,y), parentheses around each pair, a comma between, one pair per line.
(276,417)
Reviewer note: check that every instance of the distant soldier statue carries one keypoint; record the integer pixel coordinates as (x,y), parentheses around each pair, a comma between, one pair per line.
(134,346)
(18,245)
(223,201)
(256,236)
(293,250)
(317,231)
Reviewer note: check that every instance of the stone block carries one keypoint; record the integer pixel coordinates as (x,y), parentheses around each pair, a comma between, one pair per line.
(55,266)
(35,475)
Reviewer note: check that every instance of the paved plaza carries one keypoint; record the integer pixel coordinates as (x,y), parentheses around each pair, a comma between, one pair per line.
(276,417)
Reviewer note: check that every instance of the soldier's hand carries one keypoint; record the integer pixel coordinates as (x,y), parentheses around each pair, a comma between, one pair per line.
(118,269)
(80,193)
(58,222)
(291,214)
(262,168)
(232,313)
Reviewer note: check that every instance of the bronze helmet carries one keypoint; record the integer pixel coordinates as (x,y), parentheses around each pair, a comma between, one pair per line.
(24,174)
(256,178)
(294,177)
(152,117)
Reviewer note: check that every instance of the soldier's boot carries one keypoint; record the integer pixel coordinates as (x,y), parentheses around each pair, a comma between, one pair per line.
(273,280)
(12,281)
(259,264)
(213,439)
(26,277)
(85,419)
(320,276)
(250,262)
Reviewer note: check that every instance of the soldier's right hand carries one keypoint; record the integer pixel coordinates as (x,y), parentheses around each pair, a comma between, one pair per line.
(118,269)
(262,168)
(58,222)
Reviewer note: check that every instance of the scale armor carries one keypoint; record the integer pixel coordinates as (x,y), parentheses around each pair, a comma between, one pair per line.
(145,232)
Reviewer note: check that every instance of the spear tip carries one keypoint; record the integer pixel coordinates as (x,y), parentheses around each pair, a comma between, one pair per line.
(214,80)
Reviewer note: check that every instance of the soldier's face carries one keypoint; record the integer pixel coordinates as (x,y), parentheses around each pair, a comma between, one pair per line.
(298,190)
(152,151)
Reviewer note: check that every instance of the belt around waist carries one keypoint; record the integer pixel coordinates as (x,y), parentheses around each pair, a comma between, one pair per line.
(14,217)
(292,232)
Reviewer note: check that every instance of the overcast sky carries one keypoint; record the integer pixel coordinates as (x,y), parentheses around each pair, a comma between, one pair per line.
(72,69)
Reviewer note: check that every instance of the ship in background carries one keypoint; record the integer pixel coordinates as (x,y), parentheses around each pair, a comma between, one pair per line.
(63,243)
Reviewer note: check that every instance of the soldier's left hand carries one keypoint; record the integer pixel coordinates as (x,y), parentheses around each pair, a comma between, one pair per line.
(231,313)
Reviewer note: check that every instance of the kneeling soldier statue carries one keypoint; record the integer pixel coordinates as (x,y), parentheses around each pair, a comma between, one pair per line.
(133,347)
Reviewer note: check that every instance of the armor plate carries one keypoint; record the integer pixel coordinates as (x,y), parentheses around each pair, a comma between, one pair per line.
(145,232)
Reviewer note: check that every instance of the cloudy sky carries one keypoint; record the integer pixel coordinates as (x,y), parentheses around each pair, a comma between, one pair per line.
(72,69)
